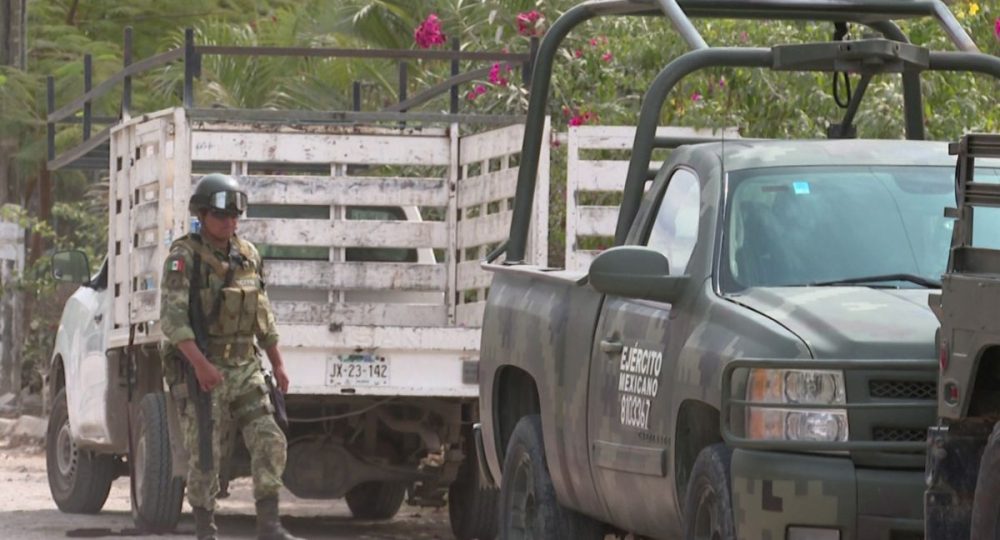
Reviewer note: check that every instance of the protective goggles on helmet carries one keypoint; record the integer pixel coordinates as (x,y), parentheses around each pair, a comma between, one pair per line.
(228,201)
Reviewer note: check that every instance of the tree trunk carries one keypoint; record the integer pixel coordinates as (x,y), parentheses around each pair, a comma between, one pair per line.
(13,52)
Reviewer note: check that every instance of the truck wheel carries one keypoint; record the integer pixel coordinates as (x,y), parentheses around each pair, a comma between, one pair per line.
(79,480)
(376,500)
(472,507)
(528,505)
(708,504)
(157,494)
(986,504)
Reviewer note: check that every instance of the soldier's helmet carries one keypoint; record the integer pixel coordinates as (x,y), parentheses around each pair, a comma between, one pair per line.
(218,191)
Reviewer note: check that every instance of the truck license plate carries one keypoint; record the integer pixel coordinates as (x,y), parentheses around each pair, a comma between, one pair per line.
(359,369)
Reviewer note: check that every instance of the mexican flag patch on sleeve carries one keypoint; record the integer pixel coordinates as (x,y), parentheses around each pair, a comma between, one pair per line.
(177,265)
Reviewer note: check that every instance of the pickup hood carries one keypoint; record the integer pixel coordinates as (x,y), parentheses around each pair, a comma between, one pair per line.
(851,322)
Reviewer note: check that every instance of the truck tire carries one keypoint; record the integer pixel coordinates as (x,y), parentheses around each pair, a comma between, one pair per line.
(528,504)
(79,480)
(708,503)
(157,494)
(375,500)
(986,503)
(472,507)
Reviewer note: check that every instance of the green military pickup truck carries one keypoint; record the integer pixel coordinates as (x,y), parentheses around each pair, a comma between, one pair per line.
(756,357)
(963,457)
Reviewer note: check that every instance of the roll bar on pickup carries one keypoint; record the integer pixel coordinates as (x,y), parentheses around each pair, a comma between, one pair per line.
(869,57)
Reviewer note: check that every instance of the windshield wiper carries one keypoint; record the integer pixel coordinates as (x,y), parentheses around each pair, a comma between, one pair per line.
(912,278)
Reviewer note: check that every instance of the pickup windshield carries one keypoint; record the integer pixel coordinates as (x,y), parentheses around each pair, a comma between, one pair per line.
(872,226)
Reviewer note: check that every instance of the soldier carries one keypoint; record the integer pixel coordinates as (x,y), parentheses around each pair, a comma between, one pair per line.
(224,272)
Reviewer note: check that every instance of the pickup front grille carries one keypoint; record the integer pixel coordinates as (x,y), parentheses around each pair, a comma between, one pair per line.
(895,434)
(882,389)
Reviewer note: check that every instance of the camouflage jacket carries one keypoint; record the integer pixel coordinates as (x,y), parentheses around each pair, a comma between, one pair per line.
(235,312)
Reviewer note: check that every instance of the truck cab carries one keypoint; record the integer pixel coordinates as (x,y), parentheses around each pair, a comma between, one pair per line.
(760,340)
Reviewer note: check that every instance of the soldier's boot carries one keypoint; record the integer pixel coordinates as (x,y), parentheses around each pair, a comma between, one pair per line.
(269,522)
(204,524)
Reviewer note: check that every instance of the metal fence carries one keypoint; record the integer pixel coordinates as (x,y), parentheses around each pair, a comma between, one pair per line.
(92,151)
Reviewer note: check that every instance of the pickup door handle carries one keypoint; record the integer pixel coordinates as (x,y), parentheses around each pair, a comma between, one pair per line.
(98,318)
(611,346)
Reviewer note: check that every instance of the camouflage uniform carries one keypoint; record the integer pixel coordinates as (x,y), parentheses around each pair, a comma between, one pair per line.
(241,401)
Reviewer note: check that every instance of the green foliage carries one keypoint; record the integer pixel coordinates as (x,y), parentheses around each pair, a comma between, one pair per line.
(79,225)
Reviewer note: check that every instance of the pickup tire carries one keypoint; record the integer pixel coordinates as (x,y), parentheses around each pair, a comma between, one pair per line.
(708,503)
(157,494)
(472,507)
(986,503)
(78,479)
(529,508)
(376,500)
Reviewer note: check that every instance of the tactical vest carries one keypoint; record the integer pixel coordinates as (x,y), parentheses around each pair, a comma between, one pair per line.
(230,297)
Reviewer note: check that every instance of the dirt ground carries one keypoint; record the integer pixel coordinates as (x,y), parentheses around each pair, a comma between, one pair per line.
(28,513)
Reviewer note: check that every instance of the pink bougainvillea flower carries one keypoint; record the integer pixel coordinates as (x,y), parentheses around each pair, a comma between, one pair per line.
(593,42)
(607,57)
(581,118)
(996,28)
(428,33)
(565,111)
(578,53)
(696,96)
(722,82)
(529,23)
(744,36)
(475,92)
(496,78)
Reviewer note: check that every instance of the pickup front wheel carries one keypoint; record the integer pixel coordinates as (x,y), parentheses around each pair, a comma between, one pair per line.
(708,505)
(986,504)
(79,480)
(528,505)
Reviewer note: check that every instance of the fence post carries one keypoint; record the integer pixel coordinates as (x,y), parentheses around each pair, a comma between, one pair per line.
(357,96)
(126,112)
(457,47)
(189,68)
(402,82)
(88,82)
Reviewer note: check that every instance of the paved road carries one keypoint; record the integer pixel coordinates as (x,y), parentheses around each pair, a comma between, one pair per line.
(28,513)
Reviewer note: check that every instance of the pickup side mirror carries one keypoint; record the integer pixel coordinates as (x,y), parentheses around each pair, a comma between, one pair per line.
(636,272)
(71,267)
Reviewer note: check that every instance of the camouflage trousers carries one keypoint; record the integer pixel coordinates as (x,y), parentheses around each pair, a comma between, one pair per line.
(240,403)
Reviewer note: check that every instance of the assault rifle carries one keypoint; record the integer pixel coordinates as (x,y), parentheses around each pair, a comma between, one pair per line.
(202,400)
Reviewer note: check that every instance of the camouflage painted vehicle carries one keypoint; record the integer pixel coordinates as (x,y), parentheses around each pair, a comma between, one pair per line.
(963,458)
(755,358)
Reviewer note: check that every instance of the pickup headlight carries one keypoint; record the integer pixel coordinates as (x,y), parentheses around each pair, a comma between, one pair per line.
(779,386)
